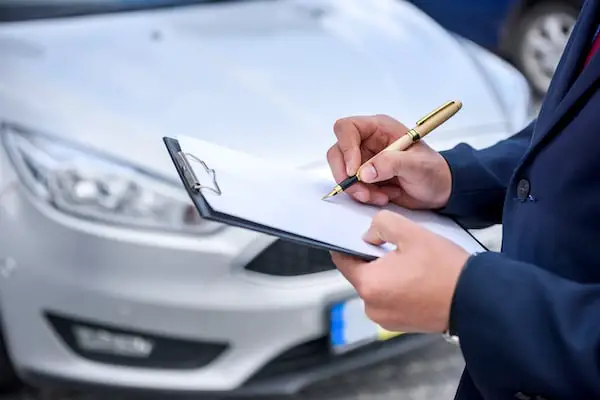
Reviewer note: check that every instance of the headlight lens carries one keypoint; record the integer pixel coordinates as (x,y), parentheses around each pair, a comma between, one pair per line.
(100,189)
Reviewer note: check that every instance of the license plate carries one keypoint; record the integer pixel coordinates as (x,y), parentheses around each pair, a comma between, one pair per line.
(351,328)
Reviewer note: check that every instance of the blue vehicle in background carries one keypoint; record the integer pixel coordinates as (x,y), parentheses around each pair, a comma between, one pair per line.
(529,33)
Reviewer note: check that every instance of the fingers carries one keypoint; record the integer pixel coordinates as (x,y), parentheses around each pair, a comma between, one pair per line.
(360,191)
(359,274)
(388,227)
(398,196)
(368,194)
(363,276)
(345,157)
(336,161)
(386,165)
(393,192)
(350,133)
(349,267)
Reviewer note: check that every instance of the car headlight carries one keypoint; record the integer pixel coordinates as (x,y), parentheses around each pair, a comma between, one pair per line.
(96,188)
(509,85)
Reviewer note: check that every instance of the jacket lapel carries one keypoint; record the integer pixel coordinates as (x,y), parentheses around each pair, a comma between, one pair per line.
(569,84)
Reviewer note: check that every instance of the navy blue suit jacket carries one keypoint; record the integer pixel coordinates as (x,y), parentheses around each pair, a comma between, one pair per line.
(528,317)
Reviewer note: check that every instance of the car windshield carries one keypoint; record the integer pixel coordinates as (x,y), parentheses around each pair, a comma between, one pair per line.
(16,10)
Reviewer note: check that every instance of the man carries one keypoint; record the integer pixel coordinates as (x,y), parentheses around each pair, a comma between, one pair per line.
(528,318)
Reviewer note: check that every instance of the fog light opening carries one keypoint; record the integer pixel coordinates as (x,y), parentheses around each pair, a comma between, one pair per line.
(111,344)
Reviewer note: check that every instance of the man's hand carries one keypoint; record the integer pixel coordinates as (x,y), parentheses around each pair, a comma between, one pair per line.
(411,288)
(417,178)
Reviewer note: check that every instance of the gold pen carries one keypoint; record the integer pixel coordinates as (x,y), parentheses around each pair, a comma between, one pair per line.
(423,126)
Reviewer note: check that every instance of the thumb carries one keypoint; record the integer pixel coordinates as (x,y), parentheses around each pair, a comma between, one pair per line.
(386,165)
(389,227)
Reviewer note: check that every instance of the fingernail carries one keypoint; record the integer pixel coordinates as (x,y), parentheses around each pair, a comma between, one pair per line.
(361,196)
(380,199)
(368,173)
(369,236)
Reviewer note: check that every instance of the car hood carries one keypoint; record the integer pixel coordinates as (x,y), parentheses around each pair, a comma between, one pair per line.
(268,77)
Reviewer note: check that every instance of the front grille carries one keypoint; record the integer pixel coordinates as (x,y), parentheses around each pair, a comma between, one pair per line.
(284,258)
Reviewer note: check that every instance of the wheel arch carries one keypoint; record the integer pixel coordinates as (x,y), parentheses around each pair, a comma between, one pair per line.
(515,14)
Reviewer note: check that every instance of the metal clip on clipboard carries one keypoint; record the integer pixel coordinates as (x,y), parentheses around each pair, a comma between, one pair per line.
(190,176)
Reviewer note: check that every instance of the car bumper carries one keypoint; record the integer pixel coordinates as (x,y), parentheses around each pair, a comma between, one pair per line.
(264,383)
(245,332)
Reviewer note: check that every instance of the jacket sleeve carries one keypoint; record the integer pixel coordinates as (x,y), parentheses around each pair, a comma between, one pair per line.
(527,330)
(480,178)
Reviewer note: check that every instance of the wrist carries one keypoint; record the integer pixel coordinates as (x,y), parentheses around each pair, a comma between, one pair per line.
(444,172)
(439,178)
(450,333)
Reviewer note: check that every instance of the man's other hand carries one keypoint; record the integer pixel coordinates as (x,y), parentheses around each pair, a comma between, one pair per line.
(411,288)
(417,178)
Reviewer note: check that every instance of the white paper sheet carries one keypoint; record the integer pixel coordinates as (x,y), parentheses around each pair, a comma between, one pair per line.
(290,200)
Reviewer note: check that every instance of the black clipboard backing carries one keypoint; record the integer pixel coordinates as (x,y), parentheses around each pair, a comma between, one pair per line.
(208,213)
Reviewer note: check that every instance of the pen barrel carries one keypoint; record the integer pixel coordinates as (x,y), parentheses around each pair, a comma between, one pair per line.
(402,143)
(433,121)
(351,180)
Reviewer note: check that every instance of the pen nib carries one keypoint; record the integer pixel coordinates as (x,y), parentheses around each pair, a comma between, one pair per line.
(330,194)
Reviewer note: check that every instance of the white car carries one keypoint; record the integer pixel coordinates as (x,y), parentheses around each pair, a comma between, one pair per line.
(107,275)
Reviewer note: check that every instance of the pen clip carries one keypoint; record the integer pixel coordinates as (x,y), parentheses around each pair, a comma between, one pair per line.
(190,175)
(434,112)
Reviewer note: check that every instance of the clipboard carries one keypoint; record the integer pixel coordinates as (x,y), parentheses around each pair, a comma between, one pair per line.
(186,165)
